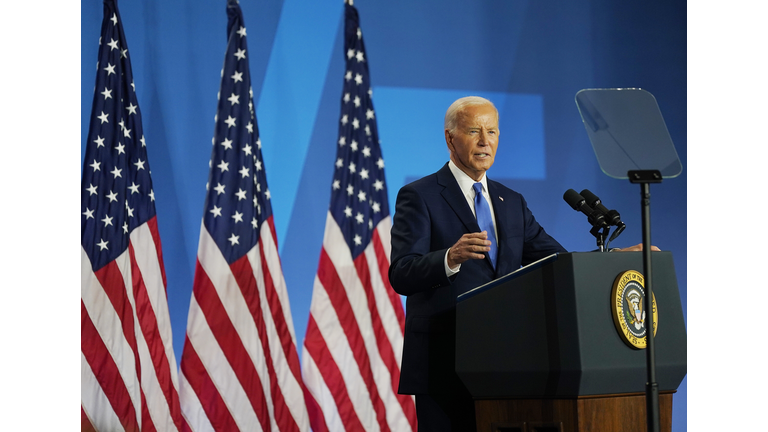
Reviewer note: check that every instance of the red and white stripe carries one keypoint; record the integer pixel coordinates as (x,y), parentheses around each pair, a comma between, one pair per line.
(240,367)
(128,370)
(353,345)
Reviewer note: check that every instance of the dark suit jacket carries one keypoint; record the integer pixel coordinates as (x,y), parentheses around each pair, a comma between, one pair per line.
(431,215)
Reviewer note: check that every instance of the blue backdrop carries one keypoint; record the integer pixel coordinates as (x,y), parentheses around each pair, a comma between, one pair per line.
(529,57)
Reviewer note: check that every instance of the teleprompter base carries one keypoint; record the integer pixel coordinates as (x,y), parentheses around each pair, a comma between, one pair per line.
(604,413)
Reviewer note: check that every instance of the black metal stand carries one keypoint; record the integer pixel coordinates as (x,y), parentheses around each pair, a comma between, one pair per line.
(644,178)
(601,233)
(600,236)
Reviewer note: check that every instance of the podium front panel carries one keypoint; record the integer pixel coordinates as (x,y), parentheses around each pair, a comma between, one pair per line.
(549,332)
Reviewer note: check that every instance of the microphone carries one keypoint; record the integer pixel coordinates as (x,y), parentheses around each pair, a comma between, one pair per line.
(611,216)
(578,203)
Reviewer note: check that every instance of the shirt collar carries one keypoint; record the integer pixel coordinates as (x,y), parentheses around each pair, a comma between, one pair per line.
(465,181)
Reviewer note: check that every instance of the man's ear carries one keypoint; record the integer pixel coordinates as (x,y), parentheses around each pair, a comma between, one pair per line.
(449,139)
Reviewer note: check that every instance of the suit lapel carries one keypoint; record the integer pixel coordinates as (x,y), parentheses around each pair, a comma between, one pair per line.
(455,198)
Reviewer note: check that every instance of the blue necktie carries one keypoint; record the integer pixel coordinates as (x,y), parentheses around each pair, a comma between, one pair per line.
(483,213)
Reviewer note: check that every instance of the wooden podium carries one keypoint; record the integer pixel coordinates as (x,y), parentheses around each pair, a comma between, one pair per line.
(539,351)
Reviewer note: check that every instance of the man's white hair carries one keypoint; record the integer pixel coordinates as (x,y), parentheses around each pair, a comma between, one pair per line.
(452,115)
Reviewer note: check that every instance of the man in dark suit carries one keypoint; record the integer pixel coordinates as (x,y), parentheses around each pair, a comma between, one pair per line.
(439,251)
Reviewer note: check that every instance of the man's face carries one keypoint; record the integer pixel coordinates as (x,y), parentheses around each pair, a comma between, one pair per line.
(474,141)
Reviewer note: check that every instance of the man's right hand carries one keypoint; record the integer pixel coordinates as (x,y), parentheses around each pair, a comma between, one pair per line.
(470,246)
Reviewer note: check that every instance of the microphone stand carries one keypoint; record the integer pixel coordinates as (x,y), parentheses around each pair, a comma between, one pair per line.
(595,231)
(644,178)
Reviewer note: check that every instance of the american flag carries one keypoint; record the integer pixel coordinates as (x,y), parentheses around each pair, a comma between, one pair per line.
(240,367)
(353,345)
(128,370)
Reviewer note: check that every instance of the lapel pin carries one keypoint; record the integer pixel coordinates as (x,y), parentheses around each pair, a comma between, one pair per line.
(501,198)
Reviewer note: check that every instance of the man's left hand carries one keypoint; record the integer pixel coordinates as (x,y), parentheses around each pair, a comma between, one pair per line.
(636,248)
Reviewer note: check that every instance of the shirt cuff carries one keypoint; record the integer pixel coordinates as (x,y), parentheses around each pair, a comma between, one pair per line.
(449,271)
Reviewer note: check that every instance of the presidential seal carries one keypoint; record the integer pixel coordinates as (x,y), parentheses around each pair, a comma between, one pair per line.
(627,305)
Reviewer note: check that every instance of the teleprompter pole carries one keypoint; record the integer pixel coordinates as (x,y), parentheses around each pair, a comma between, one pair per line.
(645,178)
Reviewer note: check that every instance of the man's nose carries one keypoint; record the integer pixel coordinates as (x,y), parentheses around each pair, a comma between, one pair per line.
(483,138)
